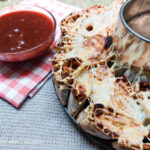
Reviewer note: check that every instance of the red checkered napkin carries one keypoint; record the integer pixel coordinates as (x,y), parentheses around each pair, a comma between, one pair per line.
(19,81)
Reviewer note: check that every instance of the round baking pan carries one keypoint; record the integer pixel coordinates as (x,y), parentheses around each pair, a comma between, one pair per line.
(105,144)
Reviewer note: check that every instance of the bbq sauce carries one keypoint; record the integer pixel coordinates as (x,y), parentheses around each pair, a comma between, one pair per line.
(23,30)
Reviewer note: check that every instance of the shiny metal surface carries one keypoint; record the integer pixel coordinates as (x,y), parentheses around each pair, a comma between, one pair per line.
(137,11)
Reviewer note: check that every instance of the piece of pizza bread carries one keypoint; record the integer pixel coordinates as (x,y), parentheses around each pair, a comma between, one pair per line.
(68,65)
(116,113)
(82,87)
(87,37)
(80,92)
(90,28)
(89,48)
(64,71)
(62,90)
(95,20)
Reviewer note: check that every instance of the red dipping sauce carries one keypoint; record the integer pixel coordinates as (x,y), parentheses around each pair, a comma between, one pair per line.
(25,32)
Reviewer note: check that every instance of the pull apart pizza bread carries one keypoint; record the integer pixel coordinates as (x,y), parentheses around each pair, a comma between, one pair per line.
(85,40)
(85,72)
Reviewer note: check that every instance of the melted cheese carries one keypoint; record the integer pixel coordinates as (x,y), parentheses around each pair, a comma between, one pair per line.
(134,135)
(102,91)
(101,19)
(85,81)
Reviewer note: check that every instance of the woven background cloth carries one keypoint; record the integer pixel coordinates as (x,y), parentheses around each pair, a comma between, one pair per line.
(41,124)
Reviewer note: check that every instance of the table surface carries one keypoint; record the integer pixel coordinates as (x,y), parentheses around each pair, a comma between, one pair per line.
(41,123)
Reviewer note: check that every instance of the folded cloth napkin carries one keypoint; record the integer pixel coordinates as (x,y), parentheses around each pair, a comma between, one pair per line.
(18,81)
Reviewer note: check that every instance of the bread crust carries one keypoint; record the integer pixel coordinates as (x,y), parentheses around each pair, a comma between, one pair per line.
(80,92)
(85,120)
(62,94)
